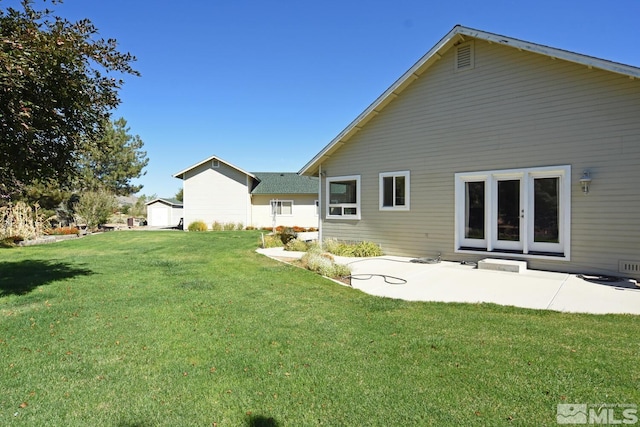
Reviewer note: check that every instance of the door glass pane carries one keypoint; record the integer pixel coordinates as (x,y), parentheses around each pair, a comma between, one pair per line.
(387,191)
(399,190)
(509,210)
(546,211)
(474,210)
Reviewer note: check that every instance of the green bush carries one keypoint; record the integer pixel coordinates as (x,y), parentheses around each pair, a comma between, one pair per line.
(323,264)
(229,226)
(296,245)
(360,249)
(366,249)
(217,226)
(270,241)
(239,226)
(287,234)
(197,226)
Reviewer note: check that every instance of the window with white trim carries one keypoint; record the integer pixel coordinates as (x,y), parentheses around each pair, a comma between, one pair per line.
(343,197)
(394,191)
(517,211)
(282,207)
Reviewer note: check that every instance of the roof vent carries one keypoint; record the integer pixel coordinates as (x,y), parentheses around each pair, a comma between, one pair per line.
(215,163)
(464,57)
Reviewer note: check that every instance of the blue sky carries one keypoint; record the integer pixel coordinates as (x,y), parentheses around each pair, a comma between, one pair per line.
(267,84)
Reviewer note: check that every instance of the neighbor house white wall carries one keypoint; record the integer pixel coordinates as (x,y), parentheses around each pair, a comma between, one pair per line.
(215,194)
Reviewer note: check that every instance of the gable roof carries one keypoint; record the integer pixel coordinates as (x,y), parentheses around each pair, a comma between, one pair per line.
(285,183)
(180,175)
(167,201)
(457,35)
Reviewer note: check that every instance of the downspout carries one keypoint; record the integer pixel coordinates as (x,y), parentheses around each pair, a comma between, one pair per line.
(320,206)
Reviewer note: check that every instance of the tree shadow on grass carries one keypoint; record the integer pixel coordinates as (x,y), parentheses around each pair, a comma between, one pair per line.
(261,421)
(22,277)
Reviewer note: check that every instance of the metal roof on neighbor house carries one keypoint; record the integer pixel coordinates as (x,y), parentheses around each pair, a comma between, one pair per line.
(285,183)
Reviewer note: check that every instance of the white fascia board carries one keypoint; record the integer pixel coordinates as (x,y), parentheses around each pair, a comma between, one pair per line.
(588,61)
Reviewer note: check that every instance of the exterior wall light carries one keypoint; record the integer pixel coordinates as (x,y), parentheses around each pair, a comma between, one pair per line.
(585,181)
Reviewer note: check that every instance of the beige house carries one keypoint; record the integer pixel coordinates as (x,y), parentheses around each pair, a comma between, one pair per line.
(215,190)
(494,147)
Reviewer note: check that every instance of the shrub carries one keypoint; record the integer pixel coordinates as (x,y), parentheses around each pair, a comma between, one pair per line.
(360,249)
(332,246)
(287,234)
(366,249)
(217,226)
(323,264)
(11,241)
(239,226)
(94,208)
(270,241)
(21,222)
(63,231)
(296,245)
(229,226)
(197,226)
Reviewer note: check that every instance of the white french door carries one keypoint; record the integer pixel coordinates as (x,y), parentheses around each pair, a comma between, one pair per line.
(507,215)
(523,211)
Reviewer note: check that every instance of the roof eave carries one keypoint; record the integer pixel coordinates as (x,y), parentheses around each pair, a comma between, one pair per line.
(180,175)
(589,61)
(433,55)
(458,33)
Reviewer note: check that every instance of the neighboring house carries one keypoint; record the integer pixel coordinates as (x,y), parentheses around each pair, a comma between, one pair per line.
(494,147)
(217,191)
(164,212)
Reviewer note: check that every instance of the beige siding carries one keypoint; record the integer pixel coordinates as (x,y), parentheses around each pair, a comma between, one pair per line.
(215,194)
(513,110)
(303,215)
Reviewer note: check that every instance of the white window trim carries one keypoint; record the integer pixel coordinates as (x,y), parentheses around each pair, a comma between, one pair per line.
(356,205)
(407,191)
(527,175)
(279,202)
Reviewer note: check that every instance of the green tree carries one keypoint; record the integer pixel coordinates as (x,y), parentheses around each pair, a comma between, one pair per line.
(140,208)
(180,195)
(57,88)
(94,208)
(113,161)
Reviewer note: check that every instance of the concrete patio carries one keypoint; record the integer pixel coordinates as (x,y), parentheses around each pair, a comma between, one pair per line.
(398,277)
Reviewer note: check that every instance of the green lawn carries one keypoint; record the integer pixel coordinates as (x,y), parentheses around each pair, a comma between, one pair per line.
(196,329)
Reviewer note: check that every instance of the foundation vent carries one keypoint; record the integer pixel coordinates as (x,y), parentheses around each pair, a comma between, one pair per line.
(629,267)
